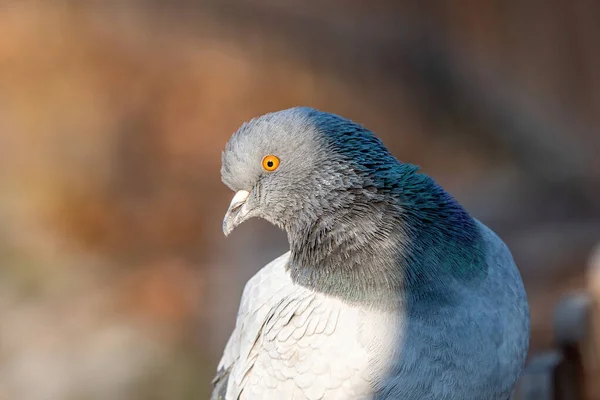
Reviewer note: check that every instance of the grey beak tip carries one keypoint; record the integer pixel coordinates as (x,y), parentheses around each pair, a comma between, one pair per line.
(226,229)
(235,213)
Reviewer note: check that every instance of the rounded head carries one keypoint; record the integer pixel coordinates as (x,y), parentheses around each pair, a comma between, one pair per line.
(291,166)
(361,225)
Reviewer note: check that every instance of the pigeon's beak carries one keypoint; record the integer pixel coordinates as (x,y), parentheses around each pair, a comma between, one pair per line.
(237,211)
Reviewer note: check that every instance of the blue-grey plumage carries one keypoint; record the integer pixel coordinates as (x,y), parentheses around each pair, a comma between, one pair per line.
(390,288)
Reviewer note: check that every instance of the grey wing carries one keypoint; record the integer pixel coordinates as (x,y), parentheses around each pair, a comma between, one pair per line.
(220,384)
(261,294)
(230,355)
(479,344)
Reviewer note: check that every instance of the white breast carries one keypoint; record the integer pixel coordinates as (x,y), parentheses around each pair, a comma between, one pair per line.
(292,343)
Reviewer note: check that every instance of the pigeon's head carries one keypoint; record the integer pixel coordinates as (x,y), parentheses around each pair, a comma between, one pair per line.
(299,165)
(358,220)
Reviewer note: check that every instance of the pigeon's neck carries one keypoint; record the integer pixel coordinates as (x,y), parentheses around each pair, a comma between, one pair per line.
(414,238)
(350,255)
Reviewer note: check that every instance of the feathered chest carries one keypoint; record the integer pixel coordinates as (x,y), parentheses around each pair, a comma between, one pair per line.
(305,345)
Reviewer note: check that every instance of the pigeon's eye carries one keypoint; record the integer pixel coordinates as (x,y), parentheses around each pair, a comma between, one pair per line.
(270,163)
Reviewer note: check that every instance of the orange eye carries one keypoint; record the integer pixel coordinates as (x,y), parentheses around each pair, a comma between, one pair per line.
(270,163)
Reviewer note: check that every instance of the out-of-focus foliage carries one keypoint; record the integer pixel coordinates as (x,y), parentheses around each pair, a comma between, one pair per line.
(115,280)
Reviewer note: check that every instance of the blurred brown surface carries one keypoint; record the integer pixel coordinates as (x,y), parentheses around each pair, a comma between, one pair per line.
(115,280)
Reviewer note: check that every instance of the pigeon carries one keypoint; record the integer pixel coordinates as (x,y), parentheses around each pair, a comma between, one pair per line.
(390,288)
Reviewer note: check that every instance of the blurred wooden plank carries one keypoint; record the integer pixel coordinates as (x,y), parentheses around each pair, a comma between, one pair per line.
(537,380)
(592,350)
(560,374)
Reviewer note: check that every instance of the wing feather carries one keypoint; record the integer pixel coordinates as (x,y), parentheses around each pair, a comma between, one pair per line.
(290,342)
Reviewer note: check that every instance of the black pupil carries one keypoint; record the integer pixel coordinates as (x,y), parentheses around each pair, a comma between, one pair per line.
(270,164)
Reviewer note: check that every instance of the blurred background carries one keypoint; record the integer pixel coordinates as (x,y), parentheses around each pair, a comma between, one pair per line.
(116,281)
